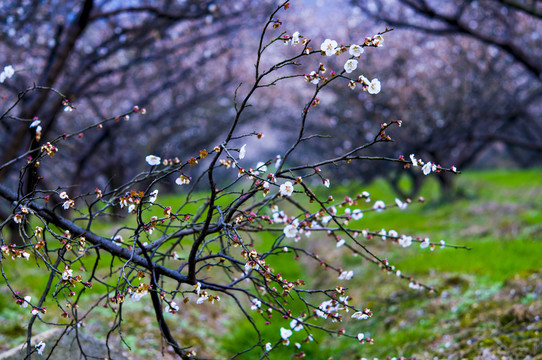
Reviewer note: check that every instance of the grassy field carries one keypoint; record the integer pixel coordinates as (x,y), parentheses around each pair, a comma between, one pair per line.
(488,300)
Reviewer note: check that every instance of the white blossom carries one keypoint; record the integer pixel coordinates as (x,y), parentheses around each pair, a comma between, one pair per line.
(296,324)
(8,72)
(405,241)
(346,275)
(285,333)
(424,243)
(357,214)
(379,205)
(153,160)
(413,159)
(268,347)
(351,65)
(278,160)
(172,307)
(182,180)
(242,152)
(401,205)
(256,304)
(286,189)
(363,80)
(378,40)
(153,195)
(40,347)
(290,231)
(374,87)
(360,315)
(295,38)
(340,243)
(326,219)
(26,301)
(329,47)
(260,168)
(355,50)
(427,168)
(67,273)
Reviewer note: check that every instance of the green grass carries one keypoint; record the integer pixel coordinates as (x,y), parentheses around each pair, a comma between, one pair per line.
(492,259)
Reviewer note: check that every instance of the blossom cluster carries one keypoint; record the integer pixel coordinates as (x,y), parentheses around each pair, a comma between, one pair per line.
(7,73)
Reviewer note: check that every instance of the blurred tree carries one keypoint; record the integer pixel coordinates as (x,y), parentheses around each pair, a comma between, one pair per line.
(458,98)
(107,57)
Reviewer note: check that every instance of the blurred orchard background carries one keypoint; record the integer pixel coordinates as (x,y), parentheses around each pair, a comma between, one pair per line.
(464,76)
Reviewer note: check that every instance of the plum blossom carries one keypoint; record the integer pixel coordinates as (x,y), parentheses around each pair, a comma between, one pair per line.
(329,47)
(363,80)
(242,152)
(427,168)
(287,188)
(401,205)
(68,204)
(326,183)
(8,72)
(346,275)
(313,78)
(256,304)
(357,214)
(137,295)
(340,243)
(279,216)
(153,160)
(268,347)
(295,38)
(172,307)
(424,243)
(290,231)
(285,334)
(414,160)
(355,50)
(26,301)
(379,205)
(360,336)
(67,273)
(17,218)
(278,160)
(378,40)
(351,65)
(374,87)
(405,241)
(153,195)
(296,324)
(260,168)
(117,240)
(202,298)
(360,315)
(182,180)
(40,347)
